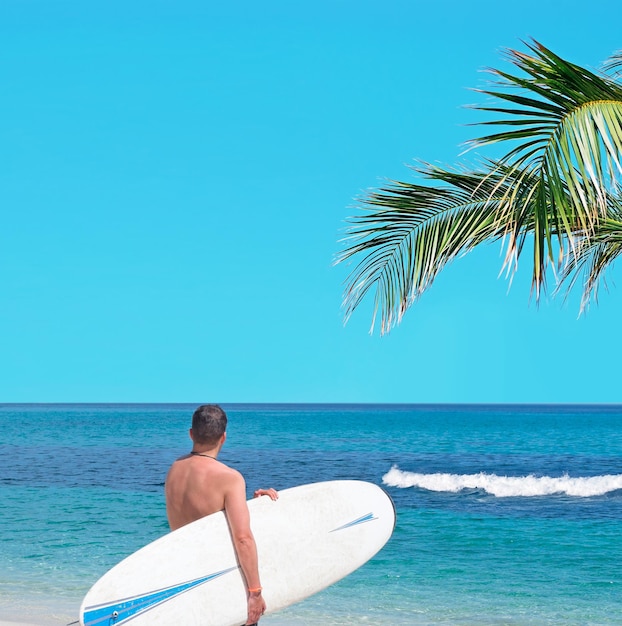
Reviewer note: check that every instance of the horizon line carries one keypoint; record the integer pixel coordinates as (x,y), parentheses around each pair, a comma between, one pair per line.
(318,404)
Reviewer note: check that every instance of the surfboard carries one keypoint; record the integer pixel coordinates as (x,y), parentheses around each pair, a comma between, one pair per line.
(308,539)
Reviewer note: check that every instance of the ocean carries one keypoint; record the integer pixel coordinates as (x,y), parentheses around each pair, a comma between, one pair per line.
(505,514)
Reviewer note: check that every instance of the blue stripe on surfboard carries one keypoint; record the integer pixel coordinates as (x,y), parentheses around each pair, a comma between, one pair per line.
(124,610)
(361,520)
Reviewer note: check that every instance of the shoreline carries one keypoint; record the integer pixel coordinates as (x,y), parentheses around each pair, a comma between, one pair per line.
(39,613)
(268,619)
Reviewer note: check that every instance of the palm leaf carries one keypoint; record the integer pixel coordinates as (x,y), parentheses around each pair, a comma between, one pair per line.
(595,254)
(407,233)
(566,128)
(557,185)
(614,64)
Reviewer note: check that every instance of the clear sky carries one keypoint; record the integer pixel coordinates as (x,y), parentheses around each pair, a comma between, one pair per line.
(175,177)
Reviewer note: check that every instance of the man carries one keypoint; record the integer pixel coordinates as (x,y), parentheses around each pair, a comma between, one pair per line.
(198,484)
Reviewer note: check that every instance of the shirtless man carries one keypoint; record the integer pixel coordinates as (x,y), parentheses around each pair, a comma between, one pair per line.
(198,484)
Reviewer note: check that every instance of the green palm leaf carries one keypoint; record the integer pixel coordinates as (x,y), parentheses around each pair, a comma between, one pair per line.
(408,232)
(614,63)
(565,126)
(595,254)
(557,185)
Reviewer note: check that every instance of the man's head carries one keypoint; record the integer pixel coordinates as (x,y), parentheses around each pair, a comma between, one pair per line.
(209,423)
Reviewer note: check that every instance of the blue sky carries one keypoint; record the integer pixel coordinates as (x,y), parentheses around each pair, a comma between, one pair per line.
(175,178)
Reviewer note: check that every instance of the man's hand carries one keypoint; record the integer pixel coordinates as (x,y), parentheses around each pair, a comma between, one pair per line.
(266,492)
(256,607)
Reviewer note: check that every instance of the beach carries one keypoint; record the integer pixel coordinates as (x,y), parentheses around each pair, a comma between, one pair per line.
(505,515)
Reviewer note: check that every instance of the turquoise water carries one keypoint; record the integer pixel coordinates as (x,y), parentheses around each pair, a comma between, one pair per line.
(506,515)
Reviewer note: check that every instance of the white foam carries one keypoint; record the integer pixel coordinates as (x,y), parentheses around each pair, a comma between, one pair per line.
(506,486)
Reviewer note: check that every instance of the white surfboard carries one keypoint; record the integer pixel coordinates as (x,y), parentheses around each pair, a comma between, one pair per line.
(308,539)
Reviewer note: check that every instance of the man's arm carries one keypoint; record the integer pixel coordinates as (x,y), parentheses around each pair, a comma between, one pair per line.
(244,543)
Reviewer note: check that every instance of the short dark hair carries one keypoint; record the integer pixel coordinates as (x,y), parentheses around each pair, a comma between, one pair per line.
(209,423)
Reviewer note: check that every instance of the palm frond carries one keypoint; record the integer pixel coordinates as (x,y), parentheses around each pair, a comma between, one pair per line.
(407,233)
(556,185)
(564,119)
(565,127)
(614,64)
(595,255)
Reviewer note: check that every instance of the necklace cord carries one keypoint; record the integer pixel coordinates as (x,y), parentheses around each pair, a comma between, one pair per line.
(207,456)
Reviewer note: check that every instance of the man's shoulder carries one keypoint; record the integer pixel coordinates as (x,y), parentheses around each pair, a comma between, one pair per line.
(230,473)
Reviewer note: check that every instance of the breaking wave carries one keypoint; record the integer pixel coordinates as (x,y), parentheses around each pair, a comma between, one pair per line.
(506,486)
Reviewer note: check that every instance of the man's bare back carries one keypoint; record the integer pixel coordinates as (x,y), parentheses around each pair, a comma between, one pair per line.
(196,486)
